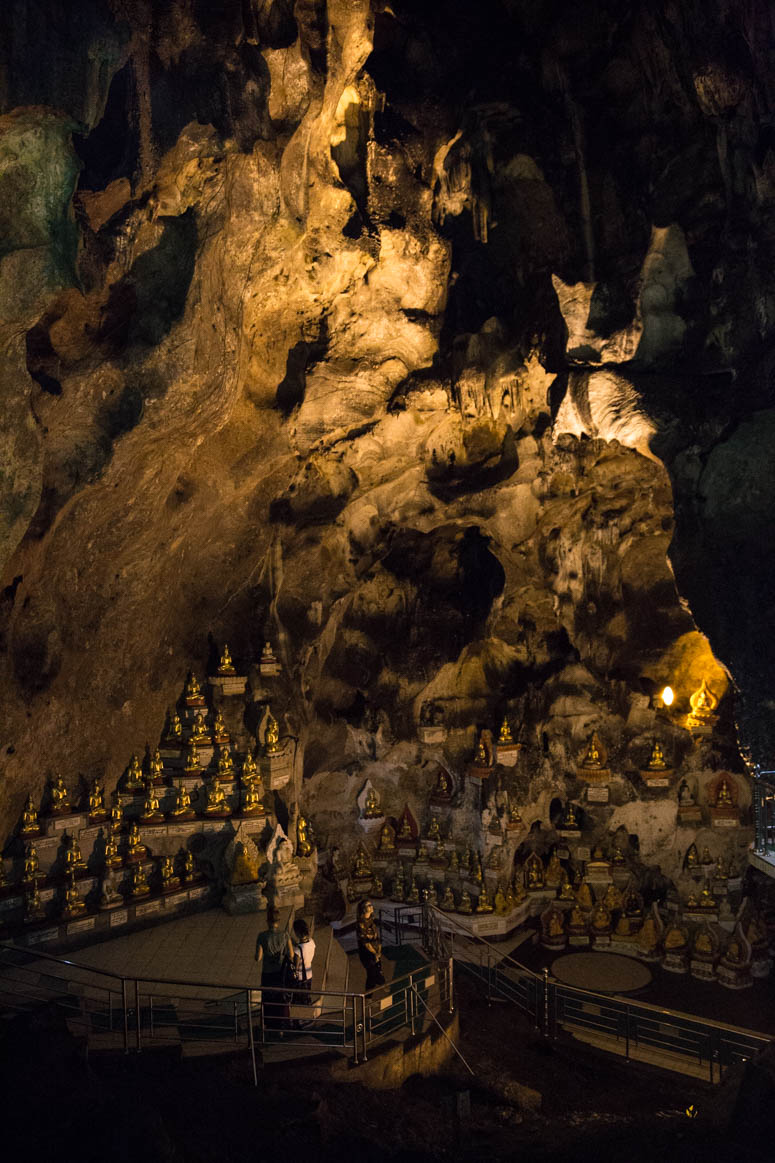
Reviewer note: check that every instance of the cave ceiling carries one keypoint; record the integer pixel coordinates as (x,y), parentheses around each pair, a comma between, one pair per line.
(431,341)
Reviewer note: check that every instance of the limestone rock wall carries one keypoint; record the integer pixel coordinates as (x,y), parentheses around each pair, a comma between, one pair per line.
(416,339)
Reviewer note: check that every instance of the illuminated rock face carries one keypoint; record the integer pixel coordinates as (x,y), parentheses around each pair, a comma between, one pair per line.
(289,362)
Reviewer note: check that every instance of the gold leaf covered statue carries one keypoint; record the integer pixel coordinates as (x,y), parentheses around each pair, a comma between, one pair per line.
(74,862)
(97,801)
(169,881)
(703,705)
(593,756)
(156,767)
(174,728)
(434,831)
(111,855)
(136,850)
(225,763)
(140,886)
(60,797)
(465,905)
(73,905)
(30,820)
(505,738)
(199,732)
(182,802)
(657,761)
(216,801)
(371,808)
(480,758)
(251,796)
(272,735)
(724,795)
(220,730)
(303,844)
(483,905)
(134,775)
(387,838)
(249,769)
(192,692)
(189,867)
(151,810)
(361,868)
(33,905)
(192,758)
(31,865)
(448,899)
(226,665)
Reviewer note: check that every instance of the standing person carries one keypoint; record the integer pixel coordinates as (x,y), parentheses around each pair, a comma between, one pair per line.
(303,953)
(369,945)
(273,949)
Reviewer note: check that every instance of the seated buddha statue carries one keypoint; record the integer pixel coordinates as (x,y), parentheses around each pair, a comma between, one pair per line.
(140,886)
(216,801)
(476,871)
(225,763)
(623,927)
(685,797)
(192,758)
(601,918)
(116,814)
(96,800)
(111,856)
(483,905)
(251,798)
(501,906)
(554,871)
(192,691)
(371,808)
(249,768)
(703,705)
(723,795)
(151,810)
(413,893)
(555,926)
(182,801)
(707,900)
(33,905)
(156,767)
(189,867)
(220,730)
(442,789)
(514,816)
(692,858)
(174,727)
(30,821)
(465,905)
(31,866)
(454,862)
(593,757)
(692,901)
(617,852)
(569,820)
(703,944)
(73,904)
(168,878)
(722,869)
(505,738)
(376,888)
(584,896)
(613,898)
(387,838)
(448,899)
(136,850)
(535,873)
(272,735)
(648,937)
(480,757)
(361,868)
(657,761)
(405,830)
(577,919)
(434,832)
(566,889)
(399,885)
(226,665)
(73,860)
(675,939)
(303,844)
(199,732)
(60,797)
(134,775)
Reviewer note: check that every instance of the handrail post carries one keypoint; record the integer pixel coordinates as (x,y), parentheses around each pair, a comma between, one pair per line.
(355,1033)
(126,1015)
(251,1042)
(138,1046)
(546,1002)
(363,1040)
(412,1006)
(627,1032)
(450,987)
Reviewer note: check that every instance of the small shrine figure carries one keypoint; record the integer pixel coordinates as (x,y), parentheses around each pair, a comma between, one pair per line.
(692,858)
(140,886)
(110,896)
(399,885)
(361,867)
(249,769)
(74,862)
(134,776)
(251,797)
(514,817)
(534,872)
(192,692)
(657,761)
(151,810)
(31,865)
(73,905)
(722,869)
(174,732)
(413,893)
(268,663)
(116,814)
(555,926)
(483,905)
(387,838)
(169,881)
(692,901)
(500,902)
(226,665)
(216,801)
(136,850)
(723,795)
(569,823)
(272,735)
(703,705)
(377,890)
(685,797)
(566,890)
(584,896)
(33,905)
(220,730)
(30,819)
(434,831)
(442,788)
(189,867)
(303,844)
(707,901)
(481,758)
(617,852)
(601,919)
(465,905)
(706,856)
(554,872)
(182,802)
(97,810)
(156,767)
(192,764)
(371,808)
(593,756)
(60,797)
(111,855)
(505,738)
(447,902)
(225,763)
(613,898)
(199,732)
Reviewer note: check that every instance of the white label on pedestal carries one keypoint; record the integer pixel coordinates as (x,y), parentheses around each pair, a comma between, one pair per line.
(253,824)
(148,907)
(598,794)
(725,823)
(119,917)
(578,940)
(197,894)
(63,823)
(13,902)
(184,829)
(47,894)
(489,926)
(43,935)
(89,833)
(81,926)
(582,853)
(45,843)
(662,782)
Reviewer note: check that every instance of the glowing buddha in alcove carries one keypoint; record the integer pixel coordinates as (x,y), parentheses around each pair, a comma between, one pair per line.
(657,761)
(703,705)
(594,757)
(504,735)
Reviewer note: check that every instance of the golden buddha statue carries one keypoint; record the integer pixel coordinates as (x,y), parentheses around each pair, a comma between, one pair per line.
(225,763)
(399,885)
(613,898)
(706,856)
(74,862)
(477,875)
(192,758)
(448,899)
(169,880)
(175,727)
(454,861)
(465,905)
(220,730)
(692,858)
(156,767)
(116,815)
(413,895)
(189,867)
(60,797)
(703,705)
(376,888)
(387,838)
(199,732)
(140,886)
(554,872)
(272,735)
(648,937)
(722,871)
(31,865)
(555,926)
(442,789)
(657,761)
(73,905)
(623,927)
(151,810)
(707,900)
(584,896)
(361,868)
(514,816)
(226,665)
(249,769)
(534,871)
(675,938)
(617,853)
(434,832)
(251,798)
(501,906)
(405,830)
(216,801)
(192,691)
(96,801)
(601,918)
(33,905)
(136,850)
(30,821)
(182,801)
(723,795)
(483,904)
(505,738)
(480,758)
(692,901)
(111,855)
(569,818)
(371,808)
(134,776)
(577,919)
(303,845)
(593,756)
(566,889)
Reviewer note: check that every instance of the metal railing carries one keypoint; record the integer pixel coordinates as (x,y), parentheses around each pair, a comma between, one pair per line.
(636,1029)
(133,1013)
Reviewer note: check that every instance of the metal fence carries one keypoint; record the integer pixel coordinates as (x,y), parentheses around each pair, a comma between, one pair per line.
(131,1014)
(635,1029)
